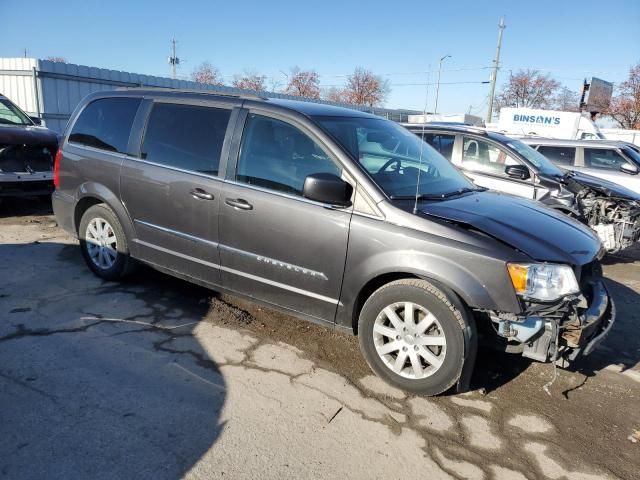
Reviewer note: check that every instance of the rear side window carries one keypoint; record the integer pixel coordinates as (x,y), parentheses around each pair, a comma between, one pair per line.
(186,136)
(603,159)
(559,155)
(442,143)
(106,123)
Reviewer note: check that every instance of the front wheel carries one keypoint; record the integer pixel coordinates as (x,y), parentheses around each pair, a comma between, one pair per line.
(411,335)
(103,243)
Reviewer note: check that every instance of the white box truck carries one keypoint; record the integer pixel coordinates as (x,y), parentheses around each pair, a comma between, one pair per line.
(546,123)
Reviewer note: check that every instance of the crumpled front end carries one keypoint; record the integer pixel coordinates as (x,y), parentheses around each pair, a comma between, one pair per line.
(26,169)
(565,329)
(615,220)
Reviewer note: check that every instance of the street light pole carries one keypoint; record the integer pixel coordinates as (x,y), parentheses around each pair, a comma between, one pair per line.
(435,110)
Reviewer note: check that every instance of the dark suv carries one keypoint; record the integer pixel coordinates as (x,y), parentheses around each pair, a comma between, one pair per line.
(27,151)
(332,215)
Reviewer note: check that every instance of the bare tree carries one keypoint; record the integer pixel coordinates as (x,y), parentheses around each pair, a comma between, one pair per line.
(365,88)
(206,73)
(250,81)
(625,105)
(528,88)
(57,59)
(303,83)
(335,94)
(567,100)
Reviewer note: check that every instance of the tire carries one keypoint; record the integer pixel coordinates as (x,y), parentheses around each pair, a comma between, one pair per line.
(114,262)
(393,353)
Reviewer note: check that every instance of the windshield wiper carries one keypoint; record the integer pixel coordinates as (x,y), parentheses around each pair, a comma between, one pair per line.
(438,196)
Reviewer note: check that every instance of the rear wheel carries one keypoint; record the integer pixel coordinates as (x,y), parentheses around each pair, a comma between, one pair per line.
(411,335)
(103,243)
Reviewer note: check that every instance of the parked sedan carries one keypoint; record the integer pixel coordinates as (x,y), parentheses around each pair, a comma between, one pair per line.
(617,162)
(508,165)
(27,151)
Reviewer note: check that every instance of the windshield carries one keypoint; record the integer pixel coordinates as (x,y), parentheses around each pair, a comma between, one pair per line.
(12,115)
(542,163)
(396,159)
(632,154)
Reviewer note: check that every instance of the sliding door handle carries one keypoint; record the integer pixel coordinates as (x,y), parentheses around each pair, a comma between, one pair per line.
(240,203)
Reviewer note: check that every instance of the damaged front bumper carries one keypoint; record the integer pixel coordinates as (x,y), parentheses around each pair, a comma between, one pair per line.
(564,331)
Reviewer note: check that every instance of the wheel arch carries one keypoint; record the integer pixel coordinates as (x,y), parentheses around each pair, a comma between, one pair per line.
(90,194)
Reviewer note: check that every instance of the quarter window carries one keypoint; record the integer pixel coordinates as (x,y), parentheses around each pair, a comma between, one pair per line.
(185,136)
(484,157)
(603,159)
(278,156)
(106,124)
(559,155)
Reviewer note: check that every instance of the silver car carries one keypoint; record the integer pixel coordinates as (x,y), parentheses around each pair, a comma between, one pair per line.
(615,161)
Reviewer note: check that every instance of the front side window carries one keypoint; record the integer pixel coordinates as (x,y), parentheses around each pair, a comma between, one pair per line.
(398,161)
(278,156)
(603,159)
(564,156)
(12,115)
(106,124)
(484,157)
(185,136)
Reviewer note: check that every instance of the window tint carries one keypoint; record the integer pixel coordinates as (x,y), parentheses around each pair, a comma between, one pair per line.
(603,159)
(559,155)
(278,156)
(105,124)
(11,115)
(186,137)
(442,143)
(484,157)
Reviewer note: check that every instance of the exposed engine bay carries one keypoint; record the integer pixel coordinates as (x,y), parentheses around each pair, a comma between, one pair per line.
(614,217)
(616,221)
(26,158)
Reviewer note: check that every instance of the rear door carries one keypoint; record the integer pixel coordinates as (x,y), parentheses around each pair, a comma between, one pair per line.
(605,163)
(172,188)
(485,162)
(275,245)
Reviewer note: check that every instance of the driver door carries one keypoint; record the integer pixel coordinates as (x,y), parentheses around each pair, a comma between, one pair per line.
(484,162)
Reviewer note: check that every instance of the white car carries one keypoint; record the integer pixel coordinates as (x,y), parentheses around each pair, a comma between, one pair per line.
(615,161)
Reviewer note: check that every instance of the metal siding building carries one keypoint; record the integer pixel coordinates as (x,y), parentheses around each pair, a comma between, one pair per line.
(51,90)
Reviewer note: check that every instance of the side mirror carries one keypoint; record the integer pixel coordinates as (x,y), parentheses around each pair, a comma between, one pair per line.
(36,120)
(517,171)
(629,168)
(327,188)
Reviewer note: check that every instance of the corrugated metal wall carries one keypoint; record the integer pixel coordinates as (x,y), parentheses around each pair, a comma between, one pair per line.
(52,90)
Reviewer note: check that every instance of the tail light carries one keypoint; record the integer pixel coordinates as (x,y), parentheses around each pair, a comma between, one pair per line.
(56,168)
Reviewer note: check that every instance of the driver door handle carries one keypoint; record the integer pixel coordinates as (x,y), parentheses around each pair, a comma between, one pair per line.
(240,203)
(199,193)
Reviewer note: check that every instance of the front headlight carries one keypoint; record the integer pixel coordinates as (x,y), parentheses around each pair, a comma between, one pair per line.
(541,281)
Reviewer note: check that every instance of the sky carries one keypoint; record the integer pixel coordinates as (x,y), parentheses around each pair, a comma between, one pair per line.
(402,41)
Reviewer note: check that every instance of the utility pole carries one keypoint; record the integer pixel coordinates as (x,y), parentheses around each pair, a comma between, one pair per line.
(494,74)
(173,60)
(435,110)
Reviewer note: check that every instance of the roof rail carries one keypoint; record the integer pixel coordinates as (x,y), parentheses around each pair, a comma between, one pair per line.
(247,95)
(443,125)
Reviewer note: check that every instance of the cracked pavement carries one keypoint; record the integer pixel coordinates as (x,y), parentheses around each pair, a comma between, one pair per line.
(159,378)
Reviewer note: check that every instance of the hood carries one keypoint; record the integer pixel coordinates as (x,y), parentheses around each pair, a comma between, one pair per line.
(540,232)
(31,135)
(605,187)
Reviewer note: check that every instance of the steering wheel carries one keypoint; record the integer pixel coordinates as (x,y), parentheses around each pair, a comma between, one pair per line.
(388,163)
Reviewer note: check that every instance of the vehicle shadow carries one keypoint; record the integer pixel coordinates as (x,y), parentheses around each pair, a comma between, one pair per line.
(24,206)
(101,379)
(621,348)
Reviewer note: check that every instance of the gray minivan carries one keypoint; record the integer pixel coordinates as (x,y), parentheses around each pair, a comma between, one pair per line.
(332,215)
